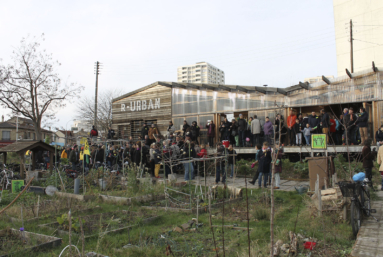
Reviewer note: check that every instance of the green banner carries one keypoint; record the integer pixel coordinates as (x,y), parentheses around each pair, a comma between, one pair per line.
(318,141)
(16,185)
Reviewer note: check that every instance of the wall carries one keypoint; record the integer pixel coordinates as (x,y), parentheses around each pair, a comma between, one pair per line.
(123,116)
(368,37)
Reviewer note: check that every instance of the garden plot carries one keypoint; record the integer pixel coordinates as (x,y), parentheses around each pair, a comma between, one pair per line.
(35,208)
(102,223)
(14,241)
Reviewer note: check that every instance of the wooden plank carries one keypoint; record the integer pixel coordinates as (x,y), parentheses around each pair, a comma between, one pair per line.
(328,191)
(329,197)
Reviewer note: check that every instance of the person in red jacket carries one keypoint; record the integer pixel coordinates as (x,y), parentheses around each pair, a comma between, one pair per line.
(291,119)
(203,152)
(333,131)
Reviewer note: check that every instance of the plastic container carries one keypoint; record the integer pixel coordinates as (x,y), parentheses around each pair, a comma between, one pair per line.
(226,143)
(103,183)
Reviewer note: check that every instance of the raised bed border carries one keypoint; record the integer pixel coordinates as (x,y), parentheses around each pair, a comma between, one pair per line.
(142,199)
(201,209)
(56,242)
(77,197)
(51,215)
(63,232)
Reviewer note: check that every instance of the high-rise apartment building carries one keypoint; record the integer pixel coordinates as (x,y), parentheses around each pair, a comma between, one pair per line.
(367,19)
(201,72)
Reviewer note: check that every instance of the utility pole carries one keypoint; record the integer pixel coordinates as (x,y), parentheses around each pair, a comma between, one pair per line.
(352,48)
(97,70)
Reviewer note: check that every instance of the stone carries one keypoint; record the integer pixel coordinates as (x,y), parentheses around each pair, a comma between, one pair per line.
(178,229)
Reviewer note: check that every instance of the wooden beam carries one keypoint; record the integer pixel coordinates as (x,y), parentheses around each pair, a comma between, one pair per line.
(174,84)
(262,91)
(374,68)
(281,91)
(239,88)
(192,86)
(348,73)
(304,85)
(326,80)
(209,87)
(225,88)
(163,84)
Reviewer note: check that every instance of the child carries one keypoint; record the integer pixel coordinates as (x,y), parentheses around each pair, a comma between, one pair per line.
(203,152)
(257,149)
(297,131)
(307,133)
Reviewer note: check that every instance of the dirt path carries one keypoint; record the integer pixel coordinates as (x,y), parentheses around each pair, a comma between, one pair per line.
(370,236)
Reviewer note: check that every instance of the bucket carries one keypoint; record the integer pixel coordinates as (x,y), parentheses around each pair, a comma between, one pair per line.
(103,183)
(226,143)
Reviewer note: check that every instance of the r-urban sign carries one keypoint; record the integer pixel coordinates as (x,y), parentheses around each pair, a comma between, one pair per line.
(142,105)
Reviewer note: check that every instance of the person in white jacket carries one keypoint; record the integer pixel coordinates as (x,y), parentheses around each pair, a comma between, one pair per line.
(380,162)
(256,130)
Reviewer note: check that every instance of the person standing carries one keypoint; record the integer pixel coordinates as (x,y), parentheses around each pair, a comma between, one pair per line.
(345,112)
(194,132)
(264,164)
(248,131)
(349,121)
(268,129)
(314,123)
(153,131)
(233,132)
(379,136)
(111,133)
(222,131)
(325,124)
(144,131)
(278,166)
(227,125)
(297,132)
(170,129)
(380,162)
(291,119)
(307,134)
(185,127)
(367,158)
(74,157)
(362,122)
(189,153)
(257,151)
(231,159)
(93,132)
(210,132)
(242,126)
(220,165)
(279,122)
(333,134)
(255,128)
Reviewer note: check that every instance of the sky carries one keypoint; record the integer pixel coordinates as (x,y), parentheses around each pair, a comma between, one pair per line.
(277,43)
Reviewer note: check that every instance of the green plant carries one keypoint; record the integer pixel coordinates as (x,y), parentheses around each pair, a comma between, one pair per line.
(301,168)
(64,222)
(262,213)
(244,167)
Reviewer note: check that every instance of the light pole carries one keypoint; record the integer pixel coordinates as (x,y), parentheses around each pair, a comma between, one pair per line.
(66,132)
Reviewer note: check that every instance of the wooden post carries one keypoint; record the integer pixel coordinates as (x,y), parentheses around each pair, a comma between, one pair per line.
(21,155)
(33,160)
(345,211)
(319,195)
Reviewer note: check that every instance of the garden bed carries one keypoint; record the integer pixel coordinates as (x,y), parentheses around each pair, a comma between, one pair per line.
(45,209)
(84,198)
(202,208)
(126,200)
(14,241)
(102,223)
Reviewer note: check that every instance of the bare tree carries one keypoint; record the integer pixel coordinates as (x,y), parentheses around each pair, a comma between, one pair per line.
(31,87)
(85,109)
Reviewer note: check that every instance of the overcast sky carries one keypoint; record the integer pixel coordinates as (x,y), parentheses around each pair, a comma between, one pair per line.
(277,43)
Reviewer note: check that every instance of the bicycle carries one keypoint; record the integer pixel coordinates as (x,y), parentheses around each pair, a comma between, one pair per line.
(360,202)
